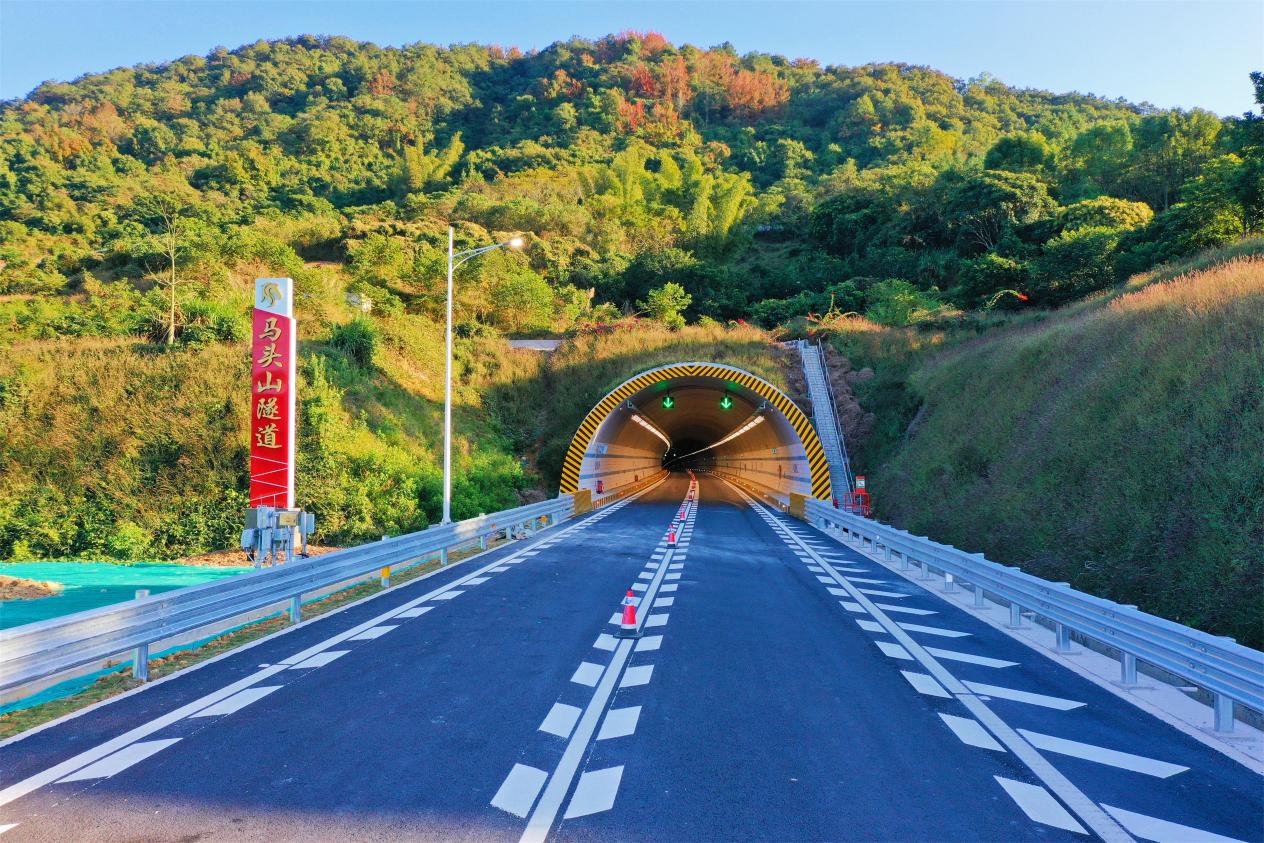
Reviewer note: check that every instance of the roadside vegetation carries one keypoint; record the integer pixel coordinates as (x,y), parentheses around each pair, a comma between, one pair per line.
(1117,445)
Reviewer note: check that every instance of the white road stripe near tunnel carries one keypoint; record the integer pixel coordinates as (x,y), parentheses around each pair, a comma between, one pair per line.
(1163,831)
(1085,809)
(970,732)
(120,761)
(1039,804)
(237,701)
(1102,755)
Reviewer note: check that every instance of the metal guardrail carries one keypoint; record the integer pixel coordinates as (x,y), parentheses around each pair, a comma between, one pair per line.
(1229,670)
(629,489)
(46,648)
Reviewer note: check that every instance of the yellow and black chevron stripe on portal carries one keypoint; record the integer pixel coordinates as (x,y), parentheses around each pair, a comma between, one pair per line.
(817,461)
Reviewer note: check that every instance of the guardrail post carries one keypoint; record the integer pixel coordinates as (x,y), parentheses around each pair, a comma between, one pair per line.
(296,608)
(886,552)
(140,656)
(386,576)
(482,541)
(443,557)
(1223,707)
(906,564)
(1015,616)
(1062,635)
(1127,669)
(980,602)
(925,572)
(950,585)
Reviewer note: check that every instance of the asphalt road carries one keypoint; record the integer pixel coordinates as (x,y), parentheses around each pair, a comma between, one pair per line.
(783,687)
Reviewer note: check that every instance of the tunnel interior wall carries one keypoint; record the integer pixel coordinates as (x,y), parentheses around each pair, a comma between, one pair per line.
(664,416)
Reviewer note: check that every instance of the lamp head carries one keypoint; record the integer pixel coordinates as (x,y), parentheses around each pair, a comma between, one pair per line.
(515,242)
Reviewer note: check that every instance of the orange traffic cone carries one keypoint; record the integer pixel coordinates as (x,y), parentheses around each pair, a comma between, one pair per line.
(671,536)
(627,627)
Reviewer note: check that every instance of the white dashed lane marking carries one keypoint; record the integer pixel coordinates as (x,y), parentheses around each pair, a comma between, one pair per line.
(926,684)
(971,733)
(1102,755)
(606,641)
(619,723)
(587,674)
(561,720)
(648,644)
(320,659)
(519,790)
(236,702)
(414,613)
(634,676)
(932,630)
(968,658)
(1023,696)
(119,761)
(1152,828)
(371,633)
(594,793)
(1038,804)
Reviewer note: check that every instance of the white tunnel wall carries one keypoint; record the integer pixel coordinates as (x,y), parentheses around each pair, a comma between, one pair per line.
(769,456)
(621,453)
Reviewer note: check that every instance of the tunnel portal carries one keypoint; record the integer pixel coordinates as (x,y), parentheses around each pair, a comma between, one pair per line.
(697,415)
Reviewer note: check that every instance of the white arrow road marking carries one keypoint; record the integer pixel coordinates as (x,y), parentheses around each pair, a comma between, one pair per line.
(1102,755)
(237,701)
(594,793)
(120,761)
(560,721)
(519,790)
(971,733)
(619,723)
(1039,804)
(1162,831)
(1023,696)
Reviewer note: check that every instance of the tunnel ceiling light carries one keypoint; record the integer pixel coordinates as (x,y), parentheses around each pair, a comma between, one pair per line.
(652,429)
(750,423)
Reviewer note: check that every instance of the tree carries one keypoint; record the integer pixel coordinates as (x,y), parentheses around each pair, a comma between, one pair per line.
(666,304)
(985,208)
(1074,264)
(171,237)
(522,302)
(1023,152)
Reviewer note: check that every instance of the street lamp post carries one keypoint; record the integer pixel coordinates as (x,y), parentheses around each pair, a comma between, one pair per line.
(453,263)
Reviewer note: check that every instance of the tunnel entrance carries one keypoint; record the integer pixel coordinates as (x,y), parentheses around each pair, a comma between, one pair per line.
(697,416)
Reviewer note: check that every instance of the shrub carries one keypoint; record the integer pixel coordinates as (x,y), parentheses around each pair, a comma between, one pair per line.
(1074,264)
(358,340)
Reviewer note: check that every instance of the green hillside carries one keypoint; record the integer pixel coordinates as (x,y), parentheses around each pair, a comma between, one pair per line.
(1118,446)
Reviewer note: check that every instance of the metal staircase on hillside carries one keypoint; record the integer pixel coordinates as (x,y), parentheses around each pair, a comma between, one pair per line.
(825,417)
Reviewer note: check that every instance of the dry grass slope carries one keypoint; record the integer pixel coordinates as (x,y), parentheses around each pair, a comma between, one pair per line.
(1119,447)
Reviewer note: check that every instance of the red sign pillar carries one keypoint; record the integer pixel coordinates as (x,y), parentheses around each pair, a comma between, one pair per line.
(272,362)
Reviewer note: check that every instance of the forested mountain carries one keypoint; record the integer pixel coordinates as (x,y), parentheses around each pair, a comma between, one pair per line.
(765,187)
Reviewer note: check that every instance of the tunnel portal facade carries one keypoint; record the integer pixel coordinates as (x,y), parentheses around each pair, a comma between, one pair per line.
(697,415)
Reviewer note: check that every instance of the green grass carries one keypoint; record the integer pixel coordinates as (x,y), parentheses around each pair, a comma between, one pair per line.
(1117,445)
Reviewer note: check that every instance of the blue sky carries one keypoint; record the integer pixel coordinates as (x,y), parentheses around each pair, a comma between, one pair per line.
(1171,54)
